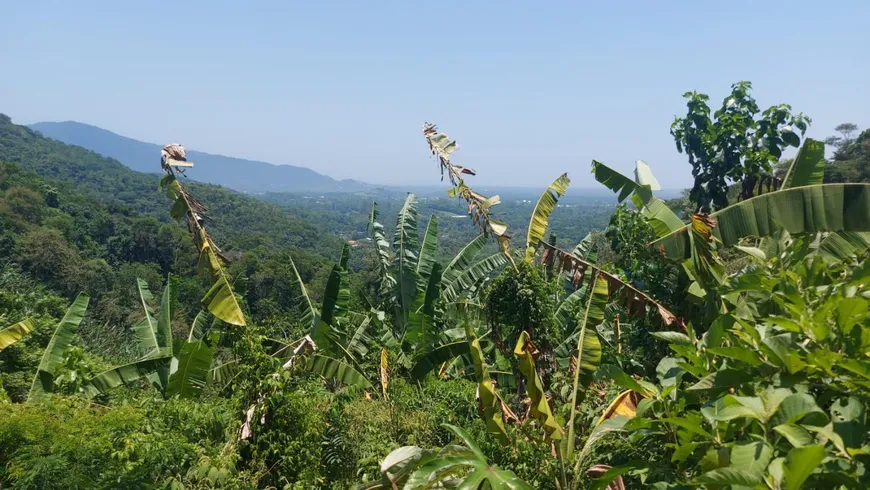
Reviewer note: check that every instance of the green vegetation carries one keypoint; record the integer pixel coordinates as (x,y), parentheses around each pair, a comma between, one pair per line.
(649,345)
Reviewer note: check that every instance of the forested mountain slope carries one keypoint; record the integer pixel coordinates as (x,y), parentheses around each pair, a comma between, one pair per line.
(236,173)
(245,222)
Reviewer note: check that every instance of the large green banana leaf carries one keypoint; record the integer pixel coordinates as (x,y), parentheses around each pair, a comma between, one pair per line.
(198,327)
(469,465)
(473,275)
(463,259)
(428,249)
(405,258)
(540,406)
(14,332)
(337,293)
(382,247)
(145,331)
(541,214)
(43,381)
(308,311)
(643,176)
(334,369)
(588,352)
(191,375)
(164,334)
(808,209)
(584,249)
(808,167)
(657,213)
(421,321)
(134,371)
(438,356)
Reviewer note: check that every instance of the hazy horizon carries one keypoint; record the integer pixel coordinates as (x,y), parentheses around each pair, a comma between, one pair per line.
(528,91)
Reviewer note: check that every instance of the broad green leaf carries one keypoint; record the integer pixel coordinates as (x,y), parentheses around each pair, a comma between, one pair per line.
(462,260)
(588,352)
(808,167)
(626,382)
(334,369)
(541,214)
(382,247)
(405,256)
(796,435)
(428,250)
(164,333)
(693,426)
(836,247)
(723,379)
(673,337)
(43,381)
(748,356)
(337,294)
(539,407)
(439,355)
(473,276)
(800,464)
(421,319)
(619,183)
(308,311)
(14,332)
(127,373)
(799,407)
(809,209)
(191,377)
(145,330)
(728,476)
(198,327)
(752,457)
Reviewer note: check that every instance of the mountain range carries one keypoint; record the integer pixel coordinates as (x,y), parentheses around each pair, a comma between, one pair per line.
(248,176)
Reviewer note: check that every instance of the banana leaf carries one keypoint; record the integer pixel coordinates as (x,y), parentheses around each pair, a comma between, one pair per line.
(463,260)
(145,330)
(14,332)
(164,333)
(808,209)
(588,352)
(428,249)
(308,311)
(382,247)
(487,396)
(405,259)
(134,371)
(198,327)
(334,369)
(220,299)
(541,214)
(808,167)
(337,293)
(191,376)
(472,276)
(438,356)
(539,408)
(43,381)
(421,322)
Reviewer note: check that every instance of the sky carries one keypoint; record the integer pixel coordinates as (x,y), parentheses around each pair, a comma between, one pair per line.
(528,89)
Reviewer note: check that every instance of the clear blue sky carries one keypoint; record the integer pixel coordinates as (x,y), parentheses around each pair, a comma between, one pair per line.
(529,89)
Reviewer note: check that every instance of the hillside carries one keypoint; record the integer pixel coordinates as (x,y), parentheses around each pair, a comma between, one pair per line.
(245,222)
(236,173)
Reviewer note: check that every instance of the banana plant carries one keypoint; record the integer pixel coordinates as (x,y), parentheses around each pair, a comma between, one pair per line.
(802,205)
(61,340)
(220,299)
(175,369)
(13,333)
(460,467)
